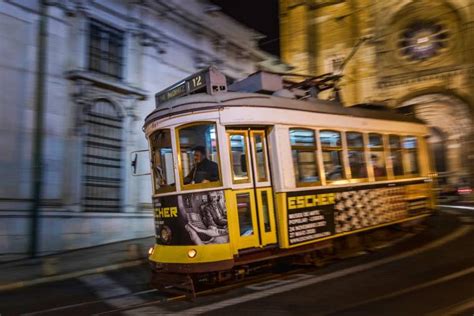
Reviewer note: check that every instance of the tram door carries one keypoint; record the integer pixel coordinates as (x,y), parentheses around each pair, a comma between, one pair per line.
(252,189)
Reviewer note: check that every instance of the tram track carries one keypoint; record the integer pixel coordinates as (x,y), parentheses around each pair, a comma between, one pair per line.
(159,299)
(312,279)
(214,290)
(248,281)
(164,299)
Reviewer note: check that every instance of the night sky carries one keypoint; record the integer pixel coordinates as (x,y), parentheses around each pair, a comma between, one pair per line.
(261,15)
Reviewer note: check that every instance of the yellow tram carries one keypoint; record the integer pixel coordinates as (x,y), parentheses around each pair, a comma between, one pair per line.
(261,169)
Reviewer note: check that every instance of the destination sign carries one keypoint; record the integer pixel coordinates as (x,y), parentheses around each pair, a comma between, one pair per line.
(175,92)
(188,86)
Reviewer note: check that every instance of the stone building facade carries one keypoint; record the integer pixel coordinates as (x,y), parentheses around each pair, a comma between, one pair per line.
(105,60)
(413,55)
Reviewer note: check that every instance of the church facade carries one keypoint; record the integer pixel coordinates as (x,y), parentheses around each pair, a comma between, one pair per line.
(416,56)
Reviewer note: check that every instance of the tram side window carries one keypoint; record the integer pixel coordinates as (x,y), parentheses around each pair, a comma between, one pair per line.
(410,146)
(355,147)
(303,150)
(377,156)
(331,144)
(396,155)
(162,161)
(199,154)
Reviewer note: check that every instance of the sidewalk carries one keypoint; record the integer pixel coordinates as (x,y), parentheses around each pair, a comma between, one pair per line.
(75,263)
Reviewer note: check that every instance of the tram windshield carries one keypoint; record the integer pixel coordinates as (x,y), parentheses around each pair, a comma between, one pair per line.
(199,155)
(162,161)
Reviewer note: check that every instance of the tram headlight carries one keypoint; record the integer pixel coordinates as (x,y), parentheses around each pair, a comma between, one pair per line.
(150,251)
(192,253)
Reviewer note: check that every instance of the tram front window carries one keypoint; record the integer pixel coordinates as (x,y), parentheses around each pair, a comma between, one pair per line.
(199,155)
(162,161)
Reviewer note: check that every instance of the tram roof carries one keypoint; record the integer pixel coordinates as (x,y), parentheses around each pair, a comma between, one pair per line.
(203,101)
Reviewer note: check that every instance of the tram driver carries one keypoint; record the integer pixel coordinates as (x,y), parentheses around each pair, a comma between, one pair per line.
(204,170)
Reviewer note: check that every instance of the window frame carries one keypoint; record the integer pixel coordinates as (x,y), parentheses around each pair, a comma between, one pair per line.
(118,58)
(262,134)
(168,188)
(400,149)
(404,154)
(187,187)
(383,150)
(343,156)
(314,149)
(364,152)
(245,134)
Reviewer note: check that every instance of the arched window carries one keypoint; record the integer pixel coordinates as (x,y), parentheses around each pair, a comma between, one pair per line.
(102,181)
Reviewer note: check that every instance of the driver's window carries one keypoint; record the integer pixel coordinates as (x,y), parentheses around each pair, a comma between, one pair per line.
(199,155)
(162,161)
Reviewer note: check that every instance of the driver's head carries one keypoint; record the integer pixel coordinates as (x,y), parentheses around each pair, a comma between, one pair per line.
(199,154)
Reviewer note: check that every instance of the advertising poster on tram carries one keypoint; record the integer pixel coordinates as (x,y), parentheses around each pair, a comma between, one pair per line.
(364,208)
(191,219)
(310,216)
(317,214)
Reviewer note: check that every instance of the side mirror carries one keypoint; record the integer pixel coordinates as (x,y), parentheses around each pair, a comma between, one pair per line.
(140,169)
(134,164)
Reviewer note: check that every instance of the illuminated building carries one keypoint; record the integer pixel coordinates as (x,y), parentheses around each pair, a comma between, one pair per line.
(415,56)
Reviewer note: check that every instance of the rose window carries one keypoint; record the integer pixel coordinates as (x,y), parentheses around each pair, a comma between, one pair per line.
(422,40)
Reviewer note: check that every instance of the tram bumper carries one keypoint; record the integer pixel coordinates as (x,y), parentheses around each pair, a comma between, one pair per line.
(191,259)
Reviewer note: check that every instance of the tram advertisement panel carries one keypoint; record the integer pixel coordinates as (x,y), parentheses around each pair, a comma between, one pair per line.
(310,216)
(191,219)
(317,214)
(364,208)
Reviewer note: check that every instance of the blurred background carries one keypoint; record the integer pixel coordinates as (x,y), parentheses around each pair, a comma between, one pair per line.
(78,77)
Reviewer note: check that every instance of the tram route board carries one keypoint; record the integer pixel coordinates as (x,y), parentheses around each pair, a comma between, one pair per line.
(186,87)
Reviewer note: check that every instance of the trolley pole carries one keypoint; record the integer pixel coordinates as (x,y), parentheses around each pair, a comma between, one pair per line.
(37,162)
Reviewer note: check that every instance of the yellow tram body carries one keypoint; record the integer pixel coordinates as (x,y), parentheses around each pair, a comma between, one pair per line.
(273,156)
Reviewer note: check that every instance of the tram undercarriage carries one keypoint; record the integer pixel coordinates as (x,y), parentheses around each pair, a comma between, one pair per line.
(258,261)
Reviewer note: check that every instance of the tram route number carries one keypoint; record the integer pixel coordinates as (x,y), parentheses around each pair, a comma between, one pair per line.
(196,82)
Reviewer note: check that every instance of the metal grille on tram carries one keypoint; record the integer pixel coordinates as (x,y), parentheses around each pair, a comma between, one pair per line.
(102,159)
